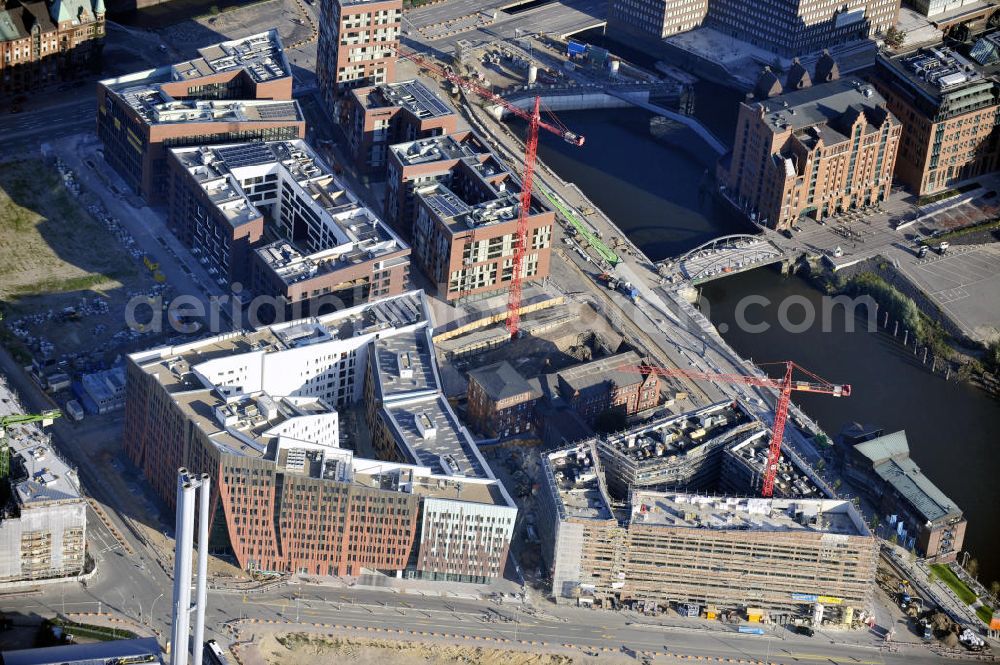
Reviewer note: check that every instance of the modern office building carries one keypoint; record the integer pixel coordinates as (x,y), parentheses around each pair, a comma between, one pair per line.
(814,151)
(235,91)
(681,451)
(796,27)
(655,19)
(358,45)
(949,104)
(607,384)
(785,27)
(500,401)
(462,204)
(912,506)
(44,41)
(940,8)
(44,522)
(278,416)
(668,548)
(272,217)
(382,115)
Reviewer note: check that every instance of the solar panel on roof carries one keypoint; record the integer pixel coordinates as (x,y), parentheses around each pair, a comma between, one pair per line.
(272,111)
(248,154)
(984,52)
(429,100)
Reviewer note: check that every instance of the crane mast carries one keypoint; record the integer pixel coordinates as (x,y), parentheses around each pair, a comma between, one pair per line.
(45,418)
(535,123)
(784,386)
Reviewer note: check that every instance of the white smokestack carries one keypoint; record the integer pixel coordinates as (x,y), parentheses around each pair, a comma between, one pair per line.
(184,532)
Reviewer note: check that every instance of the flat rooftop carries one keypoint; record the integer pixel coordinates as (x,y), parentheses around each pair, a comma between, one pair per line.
(789,480)
(574,474)
(673,435)
(940,72)
(50,478)
(261,56)
(143,650)
(354,234)
(442,149)
(404,364)
(431,435)
(411,95)
(480,191)
(694,511)
(267,412)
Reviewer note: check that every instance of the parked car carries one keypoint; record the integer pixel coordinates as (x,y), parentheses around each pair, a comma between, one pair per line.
(805,630)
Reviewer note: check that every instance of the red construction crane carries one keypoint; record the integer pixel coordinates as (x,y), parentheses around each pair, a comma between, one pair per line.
(784,386)
(535,123)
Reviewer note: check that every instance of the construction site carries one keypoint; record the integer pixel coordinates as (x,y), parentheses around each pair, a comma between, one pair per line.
(697,552)
(43,515)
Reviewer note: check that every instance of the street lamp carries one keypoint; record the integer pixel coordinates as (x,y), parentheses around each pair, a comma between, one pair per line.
(151,606)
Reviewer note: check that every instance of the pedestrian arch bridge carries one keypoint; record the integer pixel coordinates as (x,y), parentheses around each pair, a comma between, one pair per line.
(727,255)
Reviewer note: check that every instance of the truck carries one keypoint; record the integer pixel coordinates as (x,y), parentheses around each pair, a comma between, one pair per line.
(629,290)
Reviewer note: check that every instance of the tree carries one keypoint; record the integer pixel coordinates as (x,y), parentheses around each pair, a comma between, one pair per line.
(894,37)
(995,588)
(972,566)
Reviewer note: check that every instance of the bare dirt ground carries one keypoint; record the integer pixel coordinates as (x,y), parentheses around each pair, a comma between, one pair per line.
(59,251)
(49,243)
(303,649)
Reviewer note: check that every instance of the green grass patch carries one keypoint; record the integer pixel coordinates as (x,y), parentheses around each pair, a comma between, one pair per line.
(48,242)
(946,194)
(985,612)
(102,633)
(958,233)
(945,574)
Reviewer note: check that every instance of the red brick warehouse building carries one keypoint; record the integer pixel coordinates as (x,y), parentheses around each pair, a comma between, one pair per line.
(500,401)
(603,385)
(42,42)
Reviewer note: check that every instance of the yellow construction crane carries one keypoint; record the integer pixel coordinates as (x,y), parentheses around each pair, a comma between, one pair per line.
(45,418)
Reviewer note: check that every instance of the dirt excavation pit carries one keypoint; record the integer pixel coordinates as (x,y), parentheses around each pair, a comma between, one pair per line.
(304,649)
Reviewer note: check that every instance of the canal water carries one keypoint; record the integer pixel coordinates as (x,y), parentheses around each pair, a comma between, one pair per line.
(656,192)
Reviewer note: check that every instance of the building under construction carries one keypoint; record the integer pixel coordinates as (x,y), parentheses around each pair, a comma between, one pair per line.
(743,466)
(43,517)
(676,451)
(672,548)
